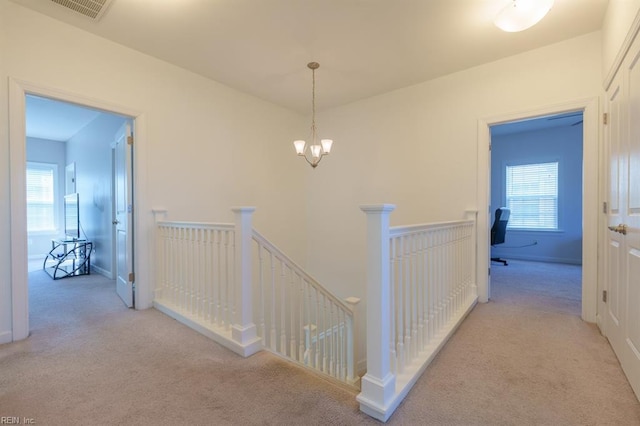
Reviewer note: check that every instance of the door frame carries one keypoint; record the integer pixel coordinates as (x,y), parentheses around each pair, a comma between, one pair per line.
(18,90)
(591,193)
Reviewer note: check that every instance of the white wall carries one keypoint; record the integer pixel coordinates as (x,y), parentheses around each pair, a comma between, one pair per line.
(52,152)
(417,148)
(206,147)
(91,150)
(615,27)
(559,144)
(210,147)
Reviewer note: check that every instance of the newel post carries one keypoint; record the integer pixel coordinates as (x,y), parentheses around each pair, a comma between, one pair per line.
(243,331)
(159,272)
(473,215)
(379,384)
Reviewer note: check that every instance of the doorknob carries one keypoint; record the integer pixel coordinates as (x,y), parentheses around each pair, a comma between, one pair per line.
(115,222)
(622,228)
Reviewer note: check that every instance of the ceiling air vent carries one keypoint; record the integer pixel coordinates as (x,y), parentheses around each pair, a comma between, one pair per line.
(89,8)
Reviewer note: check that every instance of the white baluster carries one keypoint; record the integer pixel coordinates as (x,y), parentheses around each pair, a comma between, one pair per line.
(420,289)
(283,309)
(182,278)
(434,276)
(324,335)
(197,255)
(308,353)
(208,281)
(331,344)
(262,294)
(171,280)
(229,286)
(400,305)
(301,303)
(293,344)
(406,305)
(273,335)
(415,297)
(393,322)
(218,278)
(352,341)
(318,325)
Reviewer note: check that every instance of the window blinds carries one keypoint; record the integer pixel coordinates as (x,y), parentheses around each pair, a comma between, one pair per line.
(532,195)
(41,213)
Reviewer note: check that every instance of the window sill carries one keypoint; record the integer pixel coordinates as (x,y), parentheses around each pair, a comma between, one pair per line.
(535,231)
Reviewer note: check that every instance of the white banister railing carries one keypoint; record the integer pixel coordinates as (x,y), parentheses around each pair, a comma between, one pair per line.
(196,267)
(223,279)
(230,283)
(299,319)
(204,279)
(420,286)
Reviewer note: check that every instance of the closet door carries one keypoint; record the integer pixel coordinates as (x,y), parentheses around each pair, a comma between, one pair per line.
(623,234)
(630,218)
(614,135)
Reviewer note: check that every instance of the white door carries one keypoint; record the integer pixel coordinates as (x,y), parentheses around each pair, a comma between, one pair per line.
(623,234)
(124,213)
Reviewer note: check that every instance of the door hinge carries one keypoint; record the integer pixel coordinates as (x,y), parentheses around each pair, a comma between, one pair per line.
(604,296)
(489,272)
(489,147)
(605,118)
(604,207)
(129,140)
(132,277)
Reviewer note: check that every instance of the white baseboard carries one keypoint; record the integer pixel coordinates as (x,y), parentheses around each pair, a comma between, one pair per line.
(217,334)
(102,272)
(6,337)
(508,256)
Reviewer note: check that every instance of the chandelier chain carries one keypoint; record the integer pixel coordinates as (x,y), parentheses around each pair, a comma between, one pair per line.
(313,104)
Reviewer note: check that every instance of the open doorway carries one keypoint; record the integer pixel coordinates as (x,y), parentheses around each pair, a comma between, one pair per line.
(536,178)
(18,91)
(70,153)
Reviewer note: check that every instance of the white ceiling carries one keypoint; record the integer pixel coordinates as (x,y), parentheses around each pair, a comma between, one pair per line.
(569,119)
(54,120)
(364,47)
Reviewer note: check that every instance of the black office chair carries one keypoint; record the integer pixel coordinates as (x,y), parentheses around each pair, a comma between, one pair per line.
(499,229)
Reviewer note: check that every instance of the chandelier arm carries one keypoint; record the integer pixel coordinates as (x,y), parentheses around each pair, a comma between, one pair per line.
(313,163)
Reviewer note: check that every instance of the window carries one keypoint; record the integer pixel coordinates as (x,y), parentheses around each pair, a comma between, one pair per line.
(41,201)
(532,196)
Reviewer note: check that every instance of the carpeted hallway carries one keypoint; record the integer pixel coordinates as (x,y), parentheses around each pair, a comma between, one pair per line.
(525,358)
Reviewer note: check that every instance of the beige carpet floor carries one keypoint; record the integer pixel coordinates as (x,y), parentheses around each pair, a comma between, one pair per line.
(525,358)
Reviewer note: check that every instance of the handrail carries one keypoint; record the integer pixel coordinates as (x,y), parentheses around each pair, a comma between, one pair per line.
(408,229)
(259,238)
(199,225)
(299,319)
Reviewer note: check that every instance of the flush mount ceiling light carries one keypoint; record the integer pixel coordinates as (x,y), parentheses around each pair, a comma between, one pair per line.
(314,150)
(519,15)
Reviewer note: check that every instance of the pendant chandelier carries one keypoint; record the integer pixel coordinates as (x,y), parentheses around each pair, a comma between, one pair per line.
(313,151)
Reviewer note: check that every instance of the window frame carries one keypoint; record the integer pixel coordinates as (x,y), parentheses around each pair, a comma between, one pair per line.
(558,195)
(56,202)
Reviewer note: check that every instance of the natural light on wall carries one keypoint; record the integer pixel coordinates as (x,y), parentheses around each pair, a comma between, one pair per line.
(519,15)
